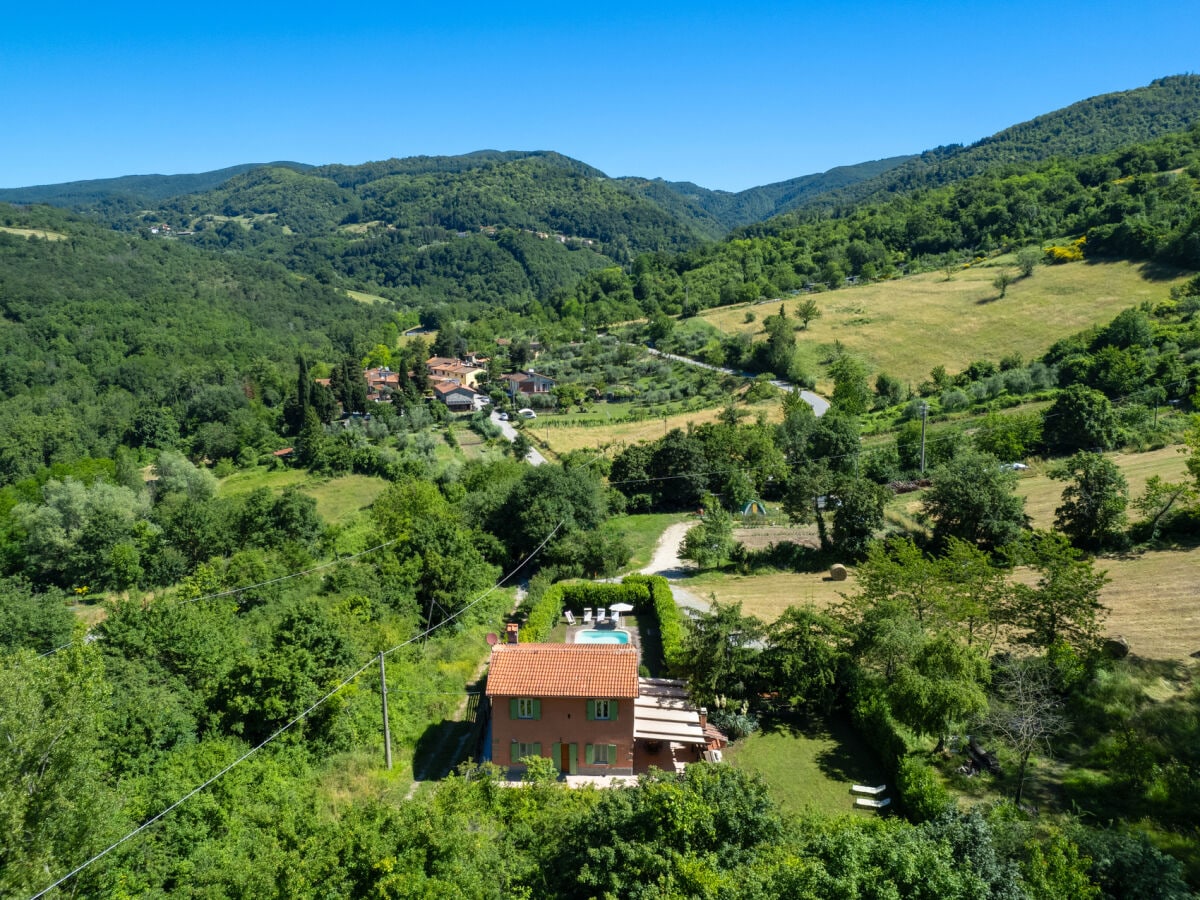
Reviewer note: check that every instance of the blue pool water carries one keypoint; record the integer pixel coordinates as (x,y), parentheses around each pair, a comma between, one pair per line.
(599,636)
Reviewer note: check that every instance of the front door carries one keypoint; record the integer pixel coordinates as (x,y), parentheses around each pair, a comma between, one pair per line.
(564,762)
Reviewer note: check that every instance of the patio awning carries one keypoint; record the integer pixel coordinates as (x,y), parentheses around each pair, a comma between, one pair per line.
(661,713)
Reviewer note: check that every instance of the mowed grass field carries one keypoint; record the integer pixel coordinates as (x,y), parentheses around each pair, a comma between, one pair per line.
(1153,597)
(906,326)
(563,439)
(34,232)
(338,499)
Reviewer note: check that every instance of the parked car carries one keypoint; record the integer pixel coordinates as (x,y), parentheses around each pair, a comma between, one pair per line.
(1015,467)
(503,417)
(526,413)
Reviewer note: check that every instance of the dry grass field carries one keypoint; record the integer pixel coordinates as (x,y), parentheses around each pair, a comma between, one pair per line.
(566,439)
(34,232)
(766,596)
(1043,494)
(1153,597)
(906,326)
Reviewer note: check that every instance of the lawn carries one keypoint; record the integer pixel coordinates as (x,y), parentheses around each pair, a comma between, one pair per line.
(368,299)
(905,326)
(766,596)
(338,499)
(810,767)
(642,533)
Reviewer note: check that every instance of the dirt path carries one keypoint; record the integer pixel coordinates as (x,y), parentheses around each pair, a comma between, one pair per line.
(667,563)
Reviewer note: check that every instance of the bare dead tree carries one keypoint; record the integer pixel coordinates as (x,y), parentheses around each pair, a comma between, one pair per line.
(1025,712)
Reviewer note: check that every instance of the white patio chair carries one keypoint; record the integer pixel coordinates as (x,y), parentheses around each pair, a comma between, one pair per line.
(570,617)
(601,617)
(587,615)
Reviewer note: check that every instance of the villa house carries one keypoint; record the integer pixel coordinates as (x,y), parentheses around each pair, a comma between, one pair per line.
(584,707)
(572,703)
(458,397)
(454,370)
(526,383)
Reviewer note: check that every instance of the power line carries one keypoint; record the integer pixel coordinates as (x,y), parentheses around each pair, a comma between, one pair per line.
(297,719)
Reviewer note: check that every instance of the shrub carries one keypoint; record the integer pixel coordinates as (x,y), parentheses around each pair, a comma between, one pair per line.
(920,789)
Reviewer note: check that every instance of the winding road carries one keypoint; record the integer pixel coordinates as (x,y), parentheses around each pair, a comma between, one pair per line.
(510,433)
(818,403)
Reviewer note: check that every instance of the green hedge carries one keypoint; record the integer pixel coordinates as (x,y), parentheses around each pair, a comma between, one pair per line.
(543,615)
(596,594)
(918,787)
(670,617)
(647,594)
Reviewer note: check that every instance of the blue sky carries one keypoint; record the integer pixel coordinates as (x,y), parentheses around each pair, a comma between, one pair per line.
(726,95)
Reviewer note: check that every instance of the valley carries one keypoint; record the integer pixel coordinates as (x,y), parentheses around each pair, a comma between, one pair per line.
(868,461)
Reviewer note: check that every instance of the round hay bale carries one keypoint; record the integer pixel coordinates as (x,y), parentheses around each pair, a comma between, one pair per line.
(1116,647)
(837,572)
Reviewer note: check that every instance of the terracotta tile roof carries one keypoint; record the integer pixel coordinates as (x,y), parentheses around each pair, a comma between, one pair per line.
(563,670)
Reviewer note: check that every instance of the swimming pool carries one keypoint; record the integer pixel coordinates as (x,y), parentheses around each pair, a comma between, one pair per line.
(601,636)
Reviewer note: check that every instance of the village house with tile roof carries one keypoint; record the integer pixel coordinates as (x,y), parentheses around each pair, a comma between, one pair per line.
(573,703)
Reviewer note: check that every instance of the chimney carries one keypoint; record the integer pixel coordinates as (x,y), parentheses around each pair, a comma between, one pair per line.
(703,716)
(511,632)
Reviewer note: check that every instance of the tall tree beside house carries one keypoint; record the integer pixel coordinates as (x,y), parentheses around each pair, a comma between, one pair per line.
(296,405)
(349,387)
(310,442)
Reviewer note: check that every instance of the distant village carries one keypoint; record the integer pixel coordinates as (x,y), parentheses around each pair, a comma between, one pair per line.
(456,382)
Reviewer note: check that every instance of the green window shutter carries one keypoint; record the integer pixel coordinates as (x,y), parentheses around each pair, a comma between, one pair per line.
(591,713)
(537,709)
(537,748)
(514,752)
(512,707)
(589,754)
(556,753)
(612,754)
(612,709)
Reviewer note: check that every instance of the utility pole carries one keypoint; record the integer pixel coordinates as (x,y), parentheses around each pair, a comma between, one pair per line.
(387,731)
(924,412)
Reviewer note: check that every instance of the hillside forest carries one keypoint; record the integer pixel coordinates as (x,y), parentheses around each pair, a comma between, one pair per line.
(212,542)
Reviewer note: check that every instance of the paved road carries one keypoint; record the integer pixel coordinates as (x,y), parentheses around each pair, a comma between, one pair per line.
(818,403)
(510,433)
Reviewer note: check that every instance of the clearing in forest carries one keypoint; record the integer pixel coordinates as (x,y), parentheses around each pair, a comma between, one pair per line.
(906,326)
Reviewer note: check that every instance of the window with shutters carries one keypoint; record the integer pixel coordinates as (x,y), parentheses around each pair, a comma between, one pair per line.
(601,708)
(520,750)
(601,754)
(525,708)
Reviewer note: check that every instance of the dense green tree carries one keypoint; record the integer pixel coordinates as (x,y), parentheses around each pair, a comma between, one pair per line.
(710,541)
(36,620)
(1080,419)
(1064,605)
(857,515)
(804,658)
(56,808)
(1092,514)
(721,654)
(69,537)
(941,684)
(851,391)
(971,498)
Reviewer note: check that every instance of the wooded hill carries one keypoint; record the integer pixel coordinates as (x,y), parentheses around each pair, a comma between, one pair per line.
(1096,125)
